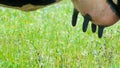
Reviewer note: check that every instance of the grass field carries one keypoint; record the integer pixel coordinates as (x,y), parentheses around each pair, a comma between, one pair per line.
(46,39)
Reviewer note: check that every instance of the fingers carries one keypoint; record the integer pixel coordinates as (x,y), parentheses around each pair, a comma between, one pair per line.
(74,17)
(87,18)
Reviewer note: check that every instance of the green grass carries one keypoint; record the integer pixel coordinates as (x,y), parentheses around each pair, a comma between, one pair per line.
(46,39)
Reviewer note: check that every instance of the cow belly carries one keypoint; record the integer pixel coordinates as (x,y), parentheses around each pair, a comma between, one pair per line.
(28,7)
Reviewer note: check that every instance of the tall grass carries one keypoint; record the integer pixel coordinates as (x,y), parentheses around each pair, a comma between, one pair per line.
(45,39)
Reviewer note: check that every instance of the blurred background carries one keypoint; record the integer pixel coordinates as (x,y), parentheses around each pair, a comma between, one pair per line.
(45,38)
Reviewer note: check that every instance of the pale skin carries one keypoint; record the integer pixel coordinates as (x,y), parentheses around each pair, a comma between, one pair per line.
(100,12)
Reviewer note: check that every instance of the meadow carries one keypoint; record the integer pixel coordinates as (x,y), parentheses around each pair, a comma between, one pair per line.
(45,38)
